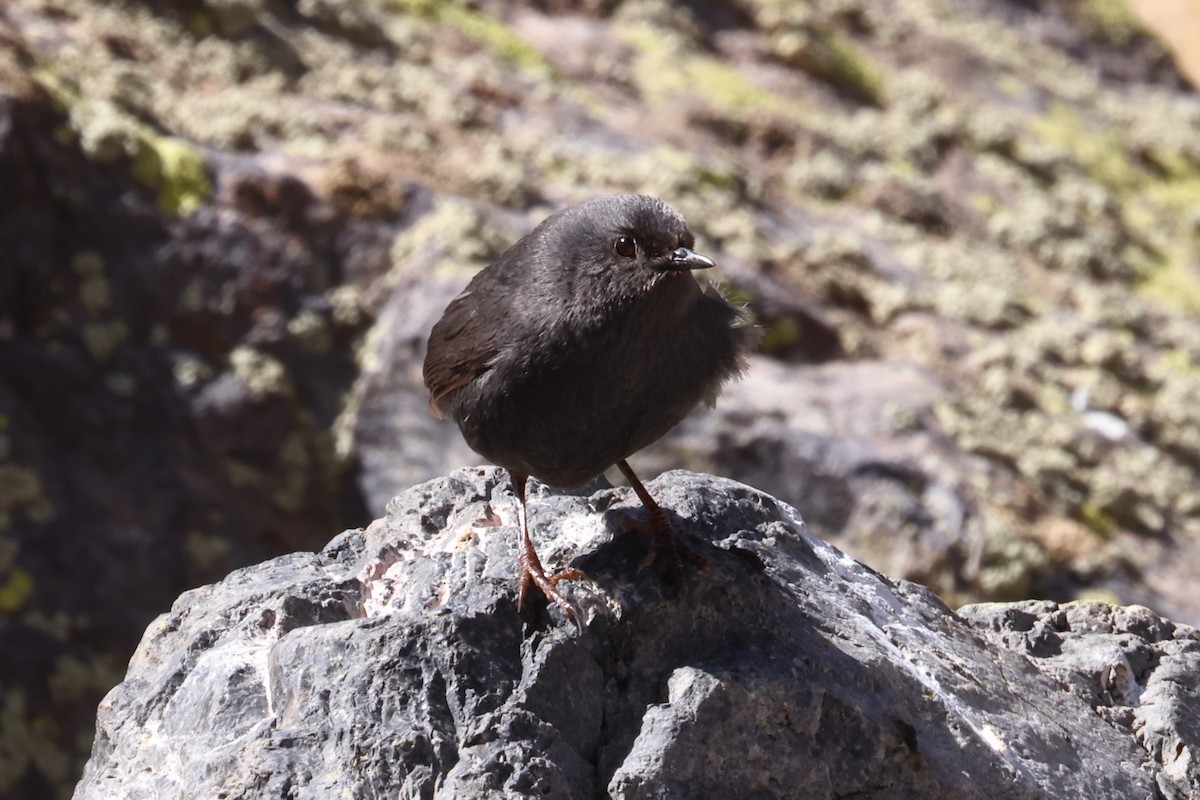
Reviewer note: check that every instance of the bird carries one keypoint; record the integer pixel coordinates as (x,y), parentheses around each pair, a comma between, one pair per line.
(584,342)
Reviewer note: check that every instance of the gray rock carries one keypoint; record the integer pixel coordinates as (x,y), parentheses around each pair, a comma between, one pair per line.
(395,663)
(1137,670)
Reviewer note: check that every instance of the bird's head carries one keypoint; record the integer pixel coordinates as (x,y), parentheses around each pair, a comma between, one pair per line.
(624,246)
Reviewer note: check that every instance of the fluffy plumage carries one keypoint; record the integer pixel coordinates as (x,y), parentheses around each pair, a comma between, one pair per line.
(562,357)
(584,342)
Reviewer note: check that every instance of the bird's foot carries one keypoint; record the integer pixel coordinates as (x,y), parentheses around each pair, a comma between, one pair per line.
(530,569)
(663,537)
(666,543)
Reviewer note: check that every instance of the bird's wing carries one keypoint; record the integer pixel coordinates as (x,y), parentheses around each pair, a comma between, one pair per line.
(459,350)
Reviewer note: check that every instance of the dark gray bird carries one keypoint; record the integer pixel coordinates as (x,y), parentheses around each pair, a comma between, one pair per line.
(584,342)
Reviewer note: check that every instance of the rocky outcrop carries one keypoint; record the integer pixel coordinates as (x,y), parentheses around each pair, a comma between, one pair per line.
(395,663)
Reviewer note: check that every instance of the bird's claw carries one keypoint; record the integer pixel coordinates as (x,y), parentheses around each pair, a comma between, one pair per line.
(531,572)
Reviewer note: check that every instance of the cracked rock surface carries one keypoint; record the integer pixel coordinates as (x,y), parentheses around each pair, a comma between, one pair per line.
(395,663)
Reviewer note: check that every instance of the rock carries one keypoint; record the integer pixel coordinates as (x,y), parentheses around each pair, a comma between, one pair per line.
(396,663)
(1135,669)
(164,418)
(850,443)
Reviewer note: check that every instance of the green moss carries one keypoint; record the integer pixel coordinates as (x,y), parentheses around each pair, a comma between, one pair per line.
(852,71)
(15,588)
(726,87)
(1172,163)
(1096,520)
(780,336)
(1179,361)
(454,228)
(798,37)
(1167,178)
(1178,192)
(175,170)
(483,28)
(985,204)
(1158,195)
(170,166)
(662,73)
(200,25)
(495,35)
(700,174)
(1175,282)
(1114,19)
(1099,150)
(1012,85)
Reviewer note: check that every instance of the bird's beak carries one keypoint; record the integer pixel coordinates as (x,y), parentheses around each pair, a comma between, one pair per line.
(684,259)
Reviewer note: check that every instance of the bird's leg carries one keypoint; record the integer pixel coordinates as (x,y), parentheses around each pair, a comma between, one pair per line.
(659,528)
(529,566)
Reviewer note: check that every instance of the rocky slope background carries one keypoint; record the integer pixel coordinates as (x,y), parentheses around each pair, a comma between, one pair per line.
(226,226)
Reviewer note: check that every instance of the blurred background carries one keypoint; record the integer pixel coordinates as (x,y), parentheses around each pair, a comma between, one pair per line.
(970,228)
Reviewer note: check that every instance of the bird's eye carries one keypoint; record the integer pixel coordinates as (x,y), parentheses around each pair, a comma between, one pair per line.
(625,247)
